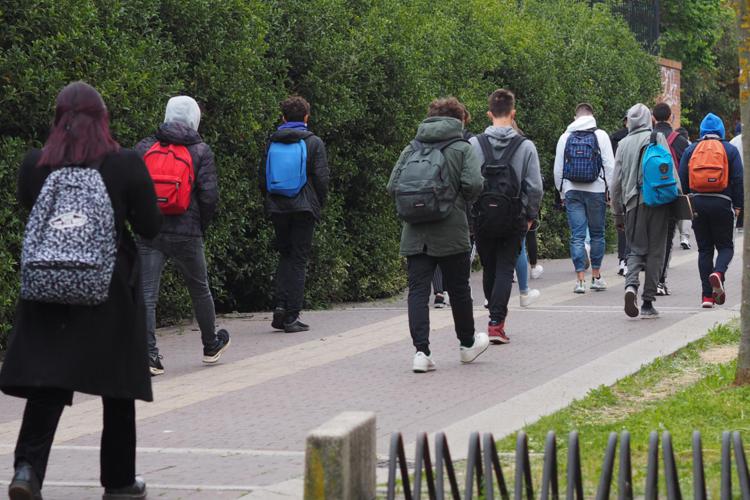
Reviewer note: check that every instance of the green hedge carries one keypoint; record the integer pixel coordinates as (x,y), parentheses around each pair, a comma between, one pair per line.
(369,68)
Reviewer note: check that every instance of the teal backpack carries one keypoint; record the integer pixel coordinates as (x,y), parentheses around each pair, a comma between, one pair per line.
(658,184)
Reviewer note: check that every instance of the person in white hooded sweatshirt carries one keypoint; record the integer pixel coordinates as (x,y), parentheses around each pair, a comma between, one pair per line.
(585,202)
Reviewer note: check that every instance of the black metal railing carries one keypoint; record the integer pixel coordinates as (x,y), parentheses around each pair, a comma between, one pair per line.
(484,472)
(642,17)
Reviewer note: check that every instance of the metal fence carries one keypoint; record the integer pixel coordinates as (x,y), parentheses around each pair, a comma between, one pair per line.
(484,473)
(642,16)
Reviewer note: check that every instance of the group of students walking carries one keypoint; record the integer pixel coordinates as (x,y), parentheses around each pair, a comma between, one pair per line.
(89,288)
(86,320)
(453,190)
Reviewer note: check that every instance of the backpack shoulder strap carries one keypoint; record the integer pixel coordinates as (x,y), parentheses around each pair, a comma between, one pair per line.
(512,147)
(487,152)
(672,137)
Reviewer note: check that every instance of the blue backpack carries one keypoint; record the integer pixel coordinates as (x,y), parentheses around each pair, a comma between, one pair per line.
(583,158)
(286,168)
(659,187)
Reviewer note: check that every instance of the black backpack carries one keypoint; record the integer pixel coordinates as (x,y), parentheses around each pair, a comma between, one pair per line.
(499,211)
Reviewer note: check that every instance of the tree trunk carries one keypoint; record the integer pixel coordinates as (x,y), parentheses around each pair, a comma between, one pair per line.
(743,23)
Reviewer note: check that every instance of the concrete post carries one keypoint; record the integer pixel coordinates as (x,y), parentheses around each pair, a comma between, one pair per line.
(340,459)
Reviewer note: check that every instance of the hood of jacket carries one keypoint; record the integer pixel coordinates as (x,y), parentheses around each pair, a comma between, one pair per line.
(639,117)
(587,122)
(183,109)
(502,135)
(177,133)
(440,128)
(712,124)
(290,134)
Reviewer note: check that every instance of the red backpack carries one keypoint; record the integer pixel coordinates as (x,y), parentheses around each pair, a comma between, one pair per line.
(171,169)
(670,140)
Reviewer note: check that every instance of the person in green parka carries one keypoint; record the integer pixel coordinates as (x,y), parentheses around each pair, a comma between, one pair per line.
(443,242)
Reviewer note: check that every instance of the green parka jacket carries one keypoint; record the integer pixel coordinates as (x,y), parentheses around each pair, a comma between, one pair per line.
(449,236)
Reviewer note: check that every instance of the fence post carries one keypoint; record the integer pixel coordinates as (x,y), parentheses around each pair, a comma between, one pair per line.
(340,458)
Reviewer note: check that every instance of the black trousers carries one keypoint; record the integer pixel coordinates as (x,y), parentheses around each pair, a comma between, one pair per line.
(456,270)
(671,230)
(498,256)
(294,235)
(623,249)
(714,232)
(40,419)
(532,248)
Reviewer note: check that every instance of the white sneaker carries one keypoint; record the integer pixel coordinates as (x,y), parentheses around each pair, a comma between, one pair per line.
(598,284)
(685,242)
(481,343)
(536,272)
(580,287)
(422,363)
(486,304)
(622,269)
(529,298)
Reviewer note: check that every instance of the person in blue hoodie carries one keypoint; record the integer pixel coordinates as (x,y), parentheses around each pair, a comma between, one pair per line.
(715,214)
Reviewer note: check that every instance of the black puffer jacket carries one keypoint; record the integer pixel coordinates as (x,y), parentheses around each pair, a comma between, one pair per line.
(205,192)
(313,196)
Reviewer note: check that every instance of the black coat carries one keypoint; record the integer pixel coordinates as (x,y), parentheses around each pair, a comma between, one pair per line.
(313,196)
(204,195)
(100,349)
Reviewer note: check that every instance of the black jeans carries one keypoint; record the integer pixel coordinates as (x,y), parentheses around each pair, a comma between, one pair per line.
(188,256)
(623,249)
(671,230)
(294,235)
(498,256)
(714,232)
(40,419)
(456,270)
(532,248)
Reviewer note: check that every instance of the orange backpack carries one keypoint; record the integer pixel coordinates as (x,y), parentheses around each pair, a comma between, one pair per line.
(709,167)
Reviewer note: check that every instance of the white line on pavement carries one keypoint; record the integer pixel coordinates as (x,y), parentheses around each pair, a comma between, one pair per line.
(184,451)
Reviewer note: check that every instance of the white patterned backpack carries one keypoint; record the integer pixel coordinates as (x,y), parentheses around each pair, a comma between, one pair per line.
(70,243)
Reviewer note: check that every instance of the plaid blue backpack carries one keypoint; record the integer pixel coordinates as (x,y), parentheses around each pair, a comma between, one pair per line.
(583,159)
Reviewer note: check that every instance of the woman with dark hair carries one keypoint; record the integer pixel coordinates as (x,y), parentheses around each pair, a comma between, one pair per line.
(57,349)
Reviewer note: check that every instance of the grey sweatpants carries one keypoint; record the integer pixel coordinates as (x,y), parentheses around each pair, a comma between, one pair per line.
(646,230)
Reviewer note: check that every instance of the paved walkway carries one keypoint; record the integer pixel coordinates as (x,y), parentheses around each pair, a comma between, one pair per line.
(237,429)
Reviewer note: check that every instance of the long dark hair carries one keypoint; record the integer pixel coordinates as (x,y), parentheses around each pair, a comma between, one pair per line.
(80,133)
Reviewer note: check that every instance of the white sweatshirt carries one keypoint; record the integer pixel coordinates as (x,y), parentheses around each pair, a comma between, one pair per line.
(605,147)
(737,143)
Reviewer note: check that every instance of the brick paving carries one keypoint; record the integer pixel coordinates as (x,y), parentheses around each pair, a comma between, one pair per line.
(235,436)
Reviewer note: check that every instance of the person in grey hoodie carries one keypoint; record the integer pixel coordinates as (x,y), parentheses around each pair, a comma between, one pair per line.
(500,254)
(181,236)
(645,226)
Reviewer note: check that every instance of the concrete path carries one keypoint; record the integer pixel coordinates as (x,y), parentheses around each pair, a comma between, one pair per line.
(237,429)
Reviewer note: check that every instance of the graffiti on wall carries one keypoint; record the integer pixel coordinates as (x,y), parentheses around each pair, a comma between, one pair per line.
(670,87)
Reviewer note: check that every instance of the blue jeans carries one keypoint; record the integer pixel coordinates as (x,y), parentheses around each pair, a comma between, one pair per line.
(522,269)
(586,212)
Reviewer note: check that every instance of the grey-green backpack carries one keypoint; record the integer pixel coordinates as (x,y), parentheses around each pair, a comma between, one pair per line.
(423,188)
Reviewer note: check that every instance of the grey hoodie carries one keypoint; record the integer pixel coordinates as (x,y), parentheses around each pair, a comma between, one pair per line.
(183,109)
(625,180)
(525,163)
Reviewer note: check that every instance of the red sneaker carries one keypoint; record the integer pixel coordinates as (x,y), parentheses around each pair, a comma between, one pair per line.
(707,303)
(496,333)
(717,283)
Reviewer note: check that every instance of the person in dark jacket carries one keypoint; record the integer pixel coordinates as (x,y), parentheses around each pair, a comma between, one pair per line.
(715,214)
(181,236)
(294,217)
(55,349)
(662,114)
(622,243)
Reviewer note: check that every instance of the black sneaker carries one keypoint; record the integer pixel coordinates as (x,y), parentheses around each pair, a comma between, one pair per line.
(155,366)
(648,311)
(439,301)
(296,326)
(212,354)
(662,289)
(135,490)
(278,318)
(25,485)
